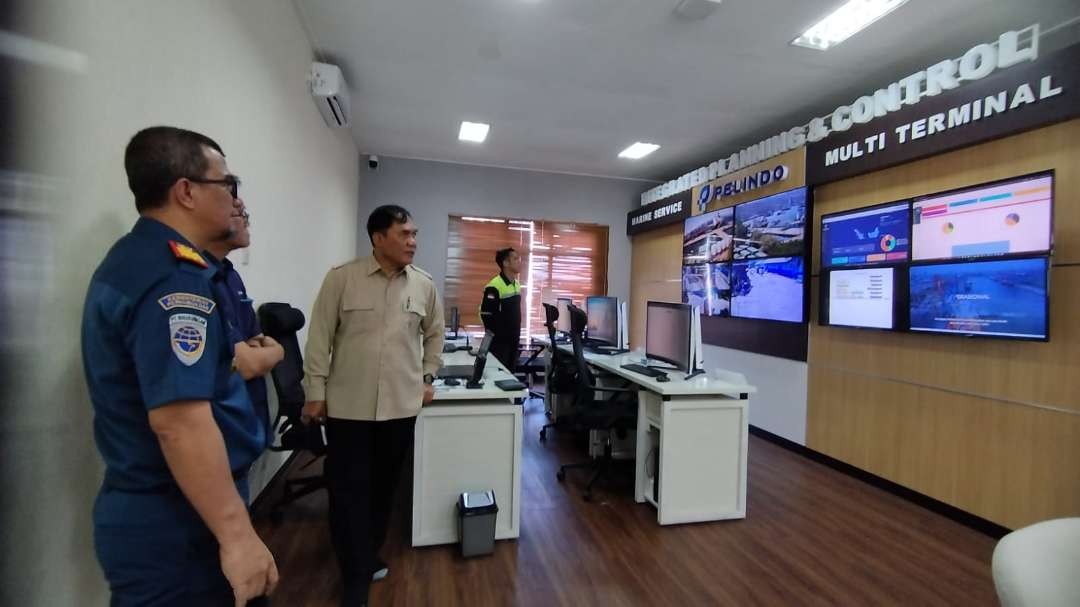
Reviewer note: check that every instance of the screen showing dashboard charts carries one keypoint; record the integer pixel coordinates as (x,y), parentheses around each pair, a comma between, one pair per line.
(1005,218)
(747,260)
(877,235)
(979,262)
(1004,298)
(863,298)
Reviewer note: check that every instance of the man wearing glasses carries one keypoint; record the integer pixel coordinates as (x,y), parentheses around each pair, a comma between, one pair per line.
(254,354)
(172,419)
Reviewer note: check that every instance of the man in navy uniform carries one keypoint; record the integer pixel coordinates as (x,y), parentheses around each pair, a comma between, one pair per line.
(172,419)
(256,354)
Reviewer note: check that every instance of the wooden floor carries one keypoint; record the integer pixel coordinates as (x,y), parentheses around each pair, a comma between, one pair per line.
(812,536)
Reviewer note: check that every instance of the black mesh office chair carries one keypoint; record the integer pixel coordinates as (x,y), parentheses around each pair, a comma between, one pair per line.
(281,321)
(562,372)
(617,413)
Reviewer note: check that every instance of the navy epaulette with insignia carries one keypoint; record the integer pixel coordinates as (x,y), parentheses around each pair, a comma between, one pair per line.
(186,253)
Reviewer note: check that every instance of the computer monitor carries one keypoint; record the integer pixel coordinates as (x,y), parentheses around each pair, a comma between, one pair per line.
(563,305)
(455,321)
(668,333)
(481,360)
(603,320)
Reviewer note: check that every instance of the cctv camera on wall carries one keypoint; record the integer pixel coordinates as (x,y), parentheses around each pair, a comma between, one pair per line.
(373,162)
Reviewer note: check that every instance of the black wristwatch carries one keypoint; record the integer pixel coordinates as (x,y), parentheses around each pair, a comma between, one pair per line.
(429,378)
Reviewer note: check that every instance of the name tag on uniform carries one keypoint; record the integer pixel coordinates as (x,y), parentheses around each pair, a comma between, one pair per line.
(187,335)
(187,300)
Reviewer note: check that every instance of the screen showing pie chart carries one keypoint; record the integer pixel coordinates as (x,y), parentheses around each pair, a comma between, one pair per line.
(888,242)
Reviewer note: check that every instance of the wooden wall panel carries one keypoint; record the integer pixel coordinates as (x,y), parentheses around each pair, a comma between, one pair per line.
(989,426)
(655,274)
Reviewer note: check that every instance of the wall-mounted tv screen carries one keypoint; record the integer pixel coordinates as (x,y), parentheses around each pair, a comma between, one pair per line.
(1000,298)
(1001,218)
(769,289)
(708,288)
(866,297)
(707,238)
(772,226)
(868,236)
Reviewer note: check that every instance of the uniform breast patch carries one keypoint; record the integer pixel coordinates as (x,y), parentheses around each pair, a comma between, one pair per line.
(187,300)
(187,335)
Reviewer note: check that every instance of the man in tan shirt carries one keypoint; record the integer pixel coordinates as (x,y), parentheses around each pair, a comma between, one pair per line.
(374,344)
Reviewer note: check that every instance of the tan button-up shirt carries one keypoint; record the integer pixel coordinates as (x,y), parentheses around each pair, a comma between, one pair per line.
(371,339)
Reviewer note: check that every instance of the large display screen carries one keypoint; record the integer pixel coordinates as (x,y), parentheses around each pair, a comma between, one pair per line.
(1003,298)
(708,288)
(862,298)
(769,289)
(708,238)
(875,235)
(1003,218)
(772,226)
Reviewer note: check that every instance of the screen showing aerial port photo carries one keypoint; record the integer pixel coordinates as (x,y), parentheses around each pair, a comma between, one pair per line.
(769,289)
(708,288)
(772,226)
(999,298)
(707,238)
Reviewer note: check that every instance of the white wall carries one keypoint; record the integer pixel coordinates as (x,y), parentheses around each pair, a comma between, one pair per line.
(779,406)
(232,70)
(432,191)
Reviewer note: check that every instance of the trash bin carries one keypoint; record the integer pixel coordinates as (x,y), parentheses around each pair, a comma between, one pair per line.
(476,522)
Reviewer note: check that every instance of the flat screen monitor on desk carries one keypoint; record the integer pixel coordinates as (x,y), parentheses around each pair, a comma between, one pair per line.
(668,332)
(562,325)
(480,362)
(455,321)
(602,326)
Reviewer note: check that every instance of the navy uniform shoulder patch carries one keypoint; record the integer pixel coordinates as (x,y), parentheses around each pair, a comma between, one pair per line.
(187,336)
(187,300)
(185,253)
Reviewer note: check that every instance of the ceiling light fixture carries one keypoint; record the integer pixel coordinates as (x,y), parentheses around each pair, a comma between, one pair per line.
(475,132)
(844,22)
(696,9)
(639,150)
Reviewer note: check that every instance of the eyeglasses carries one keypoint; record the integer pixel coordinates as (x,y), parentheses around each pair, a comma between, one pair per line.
(231,183)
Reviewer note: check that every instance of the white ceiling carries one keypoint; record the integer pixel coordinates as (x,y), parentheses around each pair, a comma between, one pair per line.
(567,84)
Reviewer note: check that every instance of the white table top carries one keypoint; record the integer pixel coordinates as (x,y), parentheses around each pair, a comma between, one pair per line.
(676,386)
(493,370)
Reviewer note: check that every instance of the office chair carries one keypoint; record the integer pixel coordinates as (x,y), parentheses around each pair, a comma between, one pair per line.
(615,414)
(281,322)
(1038,565)
(529,366)
(559,378)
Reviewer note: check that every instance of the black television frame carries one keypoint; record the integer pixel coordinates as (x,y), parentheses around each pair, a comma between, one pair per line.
(1049,252)
(821,240)
(977,260)
(901,294)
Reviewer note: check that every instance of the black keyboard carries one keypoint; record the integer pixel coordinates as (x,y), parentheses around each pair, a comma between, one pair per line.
(605,350)
(642,369)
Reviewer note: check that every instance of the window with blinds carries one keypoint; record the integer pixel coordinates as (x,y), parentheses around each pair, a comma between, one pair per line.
(559,259)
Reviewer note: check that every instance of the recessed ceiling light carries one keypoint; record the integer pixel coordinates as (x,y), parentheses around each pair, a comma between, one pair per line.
(844,22)
(639,150)
(473,131)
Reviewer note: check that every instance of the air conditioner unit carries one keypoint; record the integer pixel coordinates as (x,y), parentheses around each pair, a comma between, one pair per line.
(330,93)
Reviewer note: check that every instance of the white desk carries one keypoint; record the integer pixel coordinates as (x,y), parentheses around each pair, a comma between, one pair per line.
(699,429)
(467,440)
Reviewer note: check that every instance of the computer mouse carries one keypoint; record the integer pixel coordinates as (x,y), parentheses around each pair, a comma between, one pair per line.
(663,378)
(450,381)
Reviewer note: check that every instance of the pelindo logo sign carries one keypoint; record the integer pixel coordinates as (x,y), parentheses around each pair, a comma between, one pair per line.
(741,186)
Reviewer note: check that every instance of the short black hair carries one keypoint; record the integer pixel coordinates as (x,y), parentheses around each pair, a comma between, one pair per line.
(383,217)
(502,255)
(157,156)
